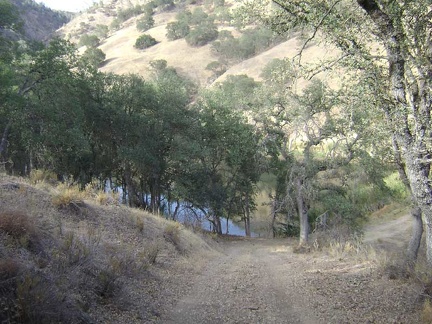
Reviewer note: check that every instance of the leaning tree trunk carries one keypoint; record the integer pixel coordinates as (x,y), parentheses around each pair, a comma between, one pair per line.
(417,232)
(410,113)
(302,211)
(416,214)
(422,193)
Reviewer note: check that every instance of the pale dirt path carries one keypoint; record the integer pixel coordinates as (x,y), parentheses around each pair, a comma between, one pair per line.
(245,286)
(395,232)
(263,281)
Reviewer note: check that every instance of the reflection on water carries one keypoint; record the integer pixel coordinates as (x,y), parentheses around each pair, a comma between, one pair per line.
(189,215)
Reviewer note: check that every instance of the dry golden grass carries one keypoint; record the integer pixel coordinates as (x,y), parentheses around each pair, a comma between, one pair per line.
(123,58)
(426,314)
(112,257)
(68,195)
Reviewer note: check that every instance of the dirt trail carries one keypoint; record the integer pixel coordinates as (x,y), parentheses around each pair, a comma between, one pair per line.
(395,232)
(263,281)
(244,286)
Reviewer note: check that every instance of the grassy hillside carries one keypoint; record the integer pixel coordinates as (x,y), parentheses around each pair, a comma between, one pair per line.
(69,257)
(191,61)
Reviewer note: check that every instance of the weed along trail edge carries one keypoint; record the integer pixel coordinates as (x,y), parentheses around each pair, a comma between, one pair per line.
(263,281)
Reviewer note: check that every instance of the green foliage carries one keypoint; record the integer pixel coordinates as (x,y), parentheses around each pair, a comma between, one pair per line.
(145,41)
(165,5)
(177,30)
(197,27)
(125,14)
(217,68)
(202,34)
(159,65)
(93,57)
(89,40)
(101,31)
(198,17)
(145,23)
(115,24)
(9,16)
(250,43)
(396,187)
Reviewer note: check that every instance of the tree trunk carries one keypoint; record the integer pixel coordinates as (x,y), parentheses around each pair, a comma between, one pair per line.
(273,216)
(247,217)
(302,212)
(130,187)
(417,232)
(4,138)
(177,208)
(417,222)
(217,224)
(412,139)
(422,193)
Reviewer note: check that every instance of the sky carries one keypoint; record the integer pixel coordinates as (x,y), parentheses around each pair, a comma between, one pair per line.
(67,5)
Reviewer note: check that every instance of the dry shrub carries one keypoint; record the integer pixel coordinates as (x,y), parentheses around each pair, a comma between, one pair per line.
(20,228)
(107,283)
(140,223)
(171,233)
(151,252)
(426,314)
(37,300)
(106,199)
(9,268)
(42,176)
(78,250)
(68,196)
(95,190)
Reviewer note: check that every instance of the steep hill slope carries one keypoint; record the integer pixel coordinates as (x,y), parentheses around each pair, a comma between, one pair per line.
(39,22)
(68,260)
(191,61)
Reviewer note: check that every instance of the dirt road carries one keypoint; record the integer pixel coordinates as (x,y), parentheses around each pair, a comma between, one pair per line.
(245,286)
(263,281)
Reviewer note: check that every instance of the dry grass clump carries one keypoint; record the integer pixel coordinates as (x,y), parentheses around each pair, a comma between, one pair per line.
(151,252)
(57,268)
(42,176)
(95,191)
(341,242)
(171,234)
(426,313)
(107,198)
(68,196)
(18,227)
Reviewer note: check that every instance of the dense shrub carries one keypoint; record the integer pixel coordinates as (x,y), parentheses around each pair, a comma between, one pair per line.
(202,34)
(93,57)
(101,31)
(145,41)
(252,42)
(89,40)
(177,30)
(125,14)
(145,23)
(198,17)
(165,5)
(115,25)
